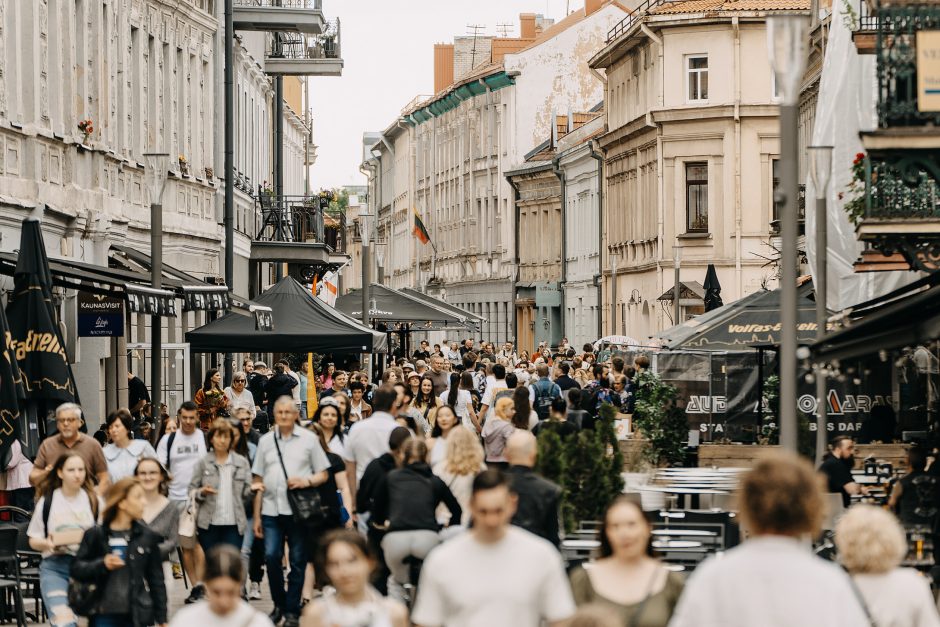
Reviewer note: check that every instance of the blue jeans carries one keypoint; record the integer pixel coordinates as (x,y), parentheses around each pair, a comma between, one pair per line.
(110,620)
(54,585)
(277,529)
(218,534)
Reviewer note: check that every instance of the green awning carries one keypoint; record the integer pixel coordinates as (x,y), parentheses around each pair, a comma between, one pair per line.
(498,81)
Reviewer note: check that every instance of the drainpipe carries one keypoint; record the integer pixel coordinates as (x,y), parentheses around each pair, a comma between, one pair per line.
(598,156)
(564,236)
(516,260)
(738,244)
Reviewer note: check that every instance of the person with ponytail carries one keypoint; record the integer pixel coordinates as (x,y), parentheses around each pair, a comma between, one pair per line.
(122,556)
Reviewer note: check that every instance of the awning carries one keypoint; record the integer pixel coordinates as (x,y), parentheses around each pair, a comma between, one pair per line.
(691,294)
(471,318)
(906,317)
(394,306)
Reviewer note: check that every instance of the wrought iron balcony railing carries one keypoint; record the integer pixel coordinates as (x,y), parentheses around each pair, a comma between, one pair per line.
(308,47)
(900,191)
(896,58)
(627,23)
(316,5)
(299,219)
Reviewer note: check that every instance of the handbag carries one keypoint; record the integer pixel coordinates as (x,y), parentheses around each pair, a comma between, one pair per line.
(187,523)
(305,503)
(83,596)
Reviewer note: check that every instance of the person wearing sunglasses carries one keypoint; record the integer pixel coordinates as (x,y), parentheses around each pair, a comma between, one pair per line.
(239,395)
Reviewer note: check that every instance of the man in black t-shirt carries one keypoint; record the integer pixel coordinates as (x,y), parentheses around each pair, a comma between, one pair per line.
(562,378)
(137,394)
(422,353)
(838,469)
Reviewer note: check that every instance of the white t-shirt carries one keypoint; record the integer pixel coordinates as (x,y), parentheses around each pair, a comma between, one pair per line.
(295,391)
(65,514)
(368,439)
(200,614)
(187,450)
(899,598)
(517,581)
(245,399)
(461,406)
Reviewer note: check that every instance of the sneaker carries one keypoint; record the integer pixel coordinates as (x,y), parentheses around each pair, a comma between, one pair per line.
(291,621)
(254,591)
(196,594)
(177,571)
(276,615)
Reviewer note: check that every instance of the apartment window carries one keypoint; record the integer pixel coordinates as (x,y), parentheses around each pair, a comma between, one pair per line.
(775,180)
(696,197)
(697,72)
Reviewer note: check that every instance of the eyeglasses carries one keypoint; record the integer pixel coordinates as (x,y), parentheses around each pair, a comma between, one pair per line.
(238,380)
(65,421)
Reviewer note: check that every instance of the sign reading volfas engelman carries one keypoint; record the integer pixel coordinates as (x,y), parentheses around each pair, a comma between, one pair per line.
(100,316)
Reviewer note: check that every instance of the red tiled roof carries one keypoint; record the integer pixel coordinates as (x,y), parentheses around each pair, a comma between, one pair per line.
(700,6)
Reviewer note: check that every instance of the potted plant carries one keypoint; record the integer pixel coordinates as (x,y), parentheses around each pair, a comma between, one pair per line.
(210,173)
(184,165)
(658,417)
(86,128)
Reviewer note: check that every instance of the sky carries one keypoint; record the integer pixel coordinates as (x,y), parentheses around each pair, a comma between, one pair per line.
(387,49)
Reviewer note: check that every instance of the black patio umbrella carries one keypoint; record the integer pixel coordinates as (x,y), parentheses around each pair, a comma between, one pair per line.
(712,289)
(37,339)
(12,392)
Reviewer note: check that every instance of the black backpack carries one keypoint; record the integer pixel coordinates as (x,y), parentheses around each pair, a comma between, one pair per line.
(543,398)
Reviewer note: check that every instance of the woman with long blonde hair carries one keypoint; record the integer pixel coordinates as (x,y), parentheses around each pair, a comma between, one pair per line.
(496,432)
(462,462)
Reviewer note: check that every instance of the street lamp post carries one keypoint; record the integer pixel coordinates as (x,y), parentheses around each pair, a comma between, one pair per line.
(820,170)
(676,290)
(364,233)
(786,40)
(158,164)
(614,258)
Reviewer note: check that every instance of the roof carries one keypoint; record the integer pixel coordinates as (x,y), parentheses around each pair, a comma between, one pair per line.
(699,6)
(567,22)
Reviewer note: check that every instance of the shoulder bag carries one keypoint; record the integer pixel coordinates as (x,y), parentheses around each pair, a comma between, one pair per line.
(305,503)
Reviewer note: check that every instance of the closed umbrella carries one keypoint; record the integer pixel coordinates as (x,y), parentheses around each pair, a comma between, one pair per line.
(36,338)
(12,392)
(712,289)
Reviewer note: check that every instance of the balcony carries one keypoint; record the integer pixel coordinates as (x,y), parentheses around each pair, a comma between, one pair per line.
(306,55)
(304,16)
(298,230)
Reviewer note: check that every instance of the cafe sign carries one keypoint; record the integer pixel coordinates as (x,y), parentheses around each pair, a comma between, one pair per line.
(100,315)
(928,70)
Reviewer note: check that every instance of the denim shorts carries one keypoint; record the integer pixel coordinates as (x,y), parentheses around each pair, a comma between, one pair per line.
(54,585)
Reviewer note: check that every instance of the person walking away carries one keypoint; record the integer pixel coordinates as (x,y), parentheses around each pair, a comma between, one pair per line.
(69,439)
(492,389)
(837,469)
(288,458)
(538,500)
(303,374)
(557,421)
(161,515)
(137,394)
(334,496)
(519,579)
(67,506)
(122,556)
(405,504)
(239,395)
(914,496)
(281,384)
(368,438)
(563,379)
(375,473)
(210,399)
(524,417)
(295,391)
(756,582)
(328,417)
(358,407)
(223,606)
(459,397)
(545,392)
(123,453)
(626,578)
(574,414)
(496,432)
(252,548)
(348,562)
(257,380)
(437,443)
(222,483)
(871,545)
(179,452)
(462,462)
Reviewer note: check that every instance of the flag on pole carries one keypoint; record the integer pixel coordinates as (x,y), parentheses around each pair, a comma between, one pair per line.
(327,290)
(312,401)
(419,229)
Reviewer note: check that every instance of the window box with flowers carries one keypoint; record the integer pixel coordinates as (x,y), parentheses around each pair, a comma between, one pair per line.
(184,165)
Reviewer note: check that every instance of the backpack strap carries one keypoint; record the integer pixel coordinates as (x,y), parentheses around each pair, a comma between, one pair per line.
(169,449)
(46,510)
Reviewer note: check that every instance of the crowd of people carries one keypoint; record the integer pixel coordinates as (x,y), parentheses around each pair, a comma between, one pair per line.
(415,499)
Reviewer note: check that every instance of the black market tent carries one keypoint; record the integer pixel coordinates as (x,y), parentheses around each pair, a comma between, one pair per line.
(301,323)
(472,319)
(746,323)
(906,317)
(393,306)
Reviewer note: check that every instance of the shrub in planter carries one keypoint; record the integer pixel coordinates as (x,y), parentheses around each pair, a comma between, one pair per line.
(658,417)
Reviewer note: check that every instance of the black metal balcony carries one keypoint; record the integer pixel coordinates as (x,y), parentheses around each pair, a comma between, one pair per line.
(306,55)
(299,220)
(305,16)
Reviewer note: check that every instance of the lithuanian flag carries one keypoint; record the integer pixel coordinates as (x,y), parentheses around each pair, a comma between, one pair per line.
(420,231)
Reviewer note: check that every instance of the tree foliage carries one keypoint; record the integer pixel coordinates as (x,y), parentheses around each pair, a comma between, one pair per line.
(658,417)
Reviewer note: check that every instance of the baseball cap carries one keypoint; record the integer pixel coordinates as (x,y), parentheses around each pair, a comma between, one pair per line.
(407,366)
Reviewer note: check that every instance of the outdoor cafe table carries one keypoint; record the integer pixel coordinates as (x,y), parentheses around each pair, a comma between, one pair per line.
(685,492)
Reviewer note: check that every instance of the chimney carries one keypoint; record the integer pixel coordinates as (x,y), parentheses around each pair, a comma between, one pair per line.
(591,6)
(527,25)
(443,66)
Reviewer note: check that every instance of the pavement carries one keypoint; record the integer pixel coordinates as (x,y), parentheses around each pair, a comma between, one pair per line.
(178,594)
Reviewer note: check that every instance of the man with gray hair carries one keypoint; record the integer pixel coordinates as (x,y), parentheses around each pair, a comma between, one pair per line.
(539,498)
(70,439)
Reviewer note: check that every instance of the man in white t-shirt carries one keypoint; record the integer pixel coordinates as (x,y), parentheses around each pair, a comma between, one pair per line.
(179,452)
(492,389)
(368,438)
(518,578)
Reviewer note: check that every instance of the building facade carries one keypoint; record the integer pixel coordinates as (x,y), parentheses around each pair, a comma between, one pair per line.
(689,159)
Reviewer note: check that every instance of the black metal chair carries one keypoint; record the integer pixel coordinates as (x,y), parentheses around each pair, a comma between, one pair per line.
(28,562)
(10,563)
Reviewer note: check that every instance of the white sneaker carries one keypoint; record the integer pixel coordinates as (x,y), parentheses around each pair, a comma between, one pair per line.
(254,591)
